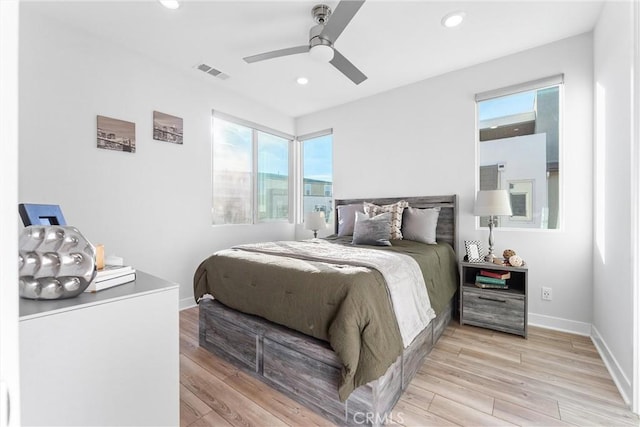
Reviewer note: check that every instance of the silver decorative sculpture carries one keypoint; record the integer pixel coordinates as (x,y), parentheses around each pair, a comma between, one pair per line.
(55,262)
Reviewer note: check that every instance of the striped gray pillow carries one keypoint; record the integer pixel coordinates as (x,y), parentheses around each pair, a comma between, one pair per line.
(396,210)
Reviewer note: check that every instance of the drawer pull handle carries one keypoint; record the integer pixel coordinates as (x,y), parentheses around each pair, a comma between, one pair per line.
(492,299)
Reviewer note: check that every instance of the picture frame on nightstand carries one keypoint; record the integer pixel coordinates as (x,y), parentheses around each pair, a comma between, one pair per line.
(474,250)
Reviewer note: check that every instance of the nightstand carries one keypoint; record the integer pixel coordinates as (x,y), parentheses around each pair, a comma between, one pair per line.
(503,310)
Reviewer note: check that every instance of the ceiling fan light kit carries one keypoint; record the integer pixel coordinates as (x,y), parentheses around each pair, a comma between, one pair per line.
(321,53)
(322,37)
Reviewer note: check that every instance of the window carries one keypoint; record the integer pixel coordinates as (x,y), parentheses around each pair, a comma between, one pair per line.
(247,157)
(317,173)
(519,150)
(273,177)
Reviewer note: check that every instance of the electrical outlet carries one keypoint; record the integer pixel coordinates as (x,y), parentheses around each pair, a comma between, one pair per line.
(546,294)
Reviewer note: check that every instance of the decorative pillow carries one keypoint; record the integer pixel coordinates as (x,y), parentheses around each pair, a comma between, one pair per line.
(347,218)
(395,209)
(420,224)
(372,231)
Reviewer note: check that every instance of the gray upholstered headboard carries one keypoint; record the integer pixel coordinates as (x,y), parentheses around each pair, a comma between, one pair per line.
(446,231)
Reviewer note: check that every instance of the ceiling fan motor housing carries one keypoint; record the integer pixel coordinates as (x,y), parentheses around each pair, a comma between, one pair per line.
(320,46)
(321,13)
(315,37)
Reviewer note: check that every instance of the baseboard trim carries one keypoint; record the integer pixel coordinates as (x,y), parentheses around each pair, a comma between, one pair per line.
(619,378)
(560,324)
(186,303)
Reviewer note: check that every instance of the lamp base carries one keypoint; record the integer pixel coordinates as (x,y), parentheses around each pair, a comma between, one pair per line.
(489,257)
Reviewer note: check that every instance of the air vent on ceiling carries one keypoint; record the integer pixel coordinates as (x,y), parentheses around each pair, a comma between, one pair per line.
(210,70)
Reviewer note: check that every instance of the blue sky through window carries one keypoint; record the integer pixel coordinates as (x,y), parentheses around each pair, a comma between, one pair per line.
(318,158)
(232,151)
(273,154)
(506,105)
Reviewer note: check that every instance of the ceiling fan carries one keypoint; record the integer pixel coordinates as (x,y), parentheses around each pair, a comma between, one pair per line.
(322,37)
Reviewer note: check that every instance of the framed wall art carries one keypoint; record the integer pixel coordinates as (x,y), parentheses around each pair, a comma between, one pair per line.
(117,135)
(167,128)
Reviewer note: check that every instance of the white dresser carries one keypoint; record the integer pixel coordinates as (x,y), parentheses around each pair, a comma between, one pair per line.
(109,358)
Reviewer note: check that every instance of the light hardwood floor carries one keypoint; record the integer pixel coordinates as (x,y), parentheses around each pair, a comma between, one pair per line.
(472,377)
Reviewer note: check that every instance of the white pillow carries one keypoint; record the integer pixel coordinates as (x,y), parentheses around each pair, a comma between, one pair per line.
(420,224)
(347,218)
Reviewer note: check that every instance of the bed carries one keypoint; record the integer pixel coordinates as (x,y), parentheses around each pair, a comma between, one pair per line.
(332,342)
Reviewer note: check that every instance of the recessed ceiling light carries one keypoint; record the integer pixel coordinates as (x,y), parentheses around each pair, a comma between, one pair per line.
(302,81)
(453,19)
(170,4)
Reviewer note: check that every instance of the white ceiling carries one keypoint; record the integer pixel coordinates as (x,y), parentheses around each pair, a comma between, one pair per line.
(393,42)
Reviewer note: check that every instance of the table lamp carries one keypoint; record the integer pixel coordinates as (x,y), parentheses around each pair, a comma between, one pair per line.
(315,221)
(492,203)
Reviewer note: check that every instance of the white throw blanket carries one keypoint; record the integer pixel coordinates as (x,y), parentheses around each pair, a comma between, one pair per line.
(405,283)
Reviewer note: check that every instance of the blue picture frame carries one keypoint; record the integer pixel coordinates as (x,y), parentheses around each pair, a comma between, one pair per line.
(36,214)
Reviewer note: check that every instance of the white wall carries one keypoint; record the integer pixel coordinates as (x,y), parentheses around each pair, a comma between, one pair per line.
(613,291)
(151,207)
(420,140)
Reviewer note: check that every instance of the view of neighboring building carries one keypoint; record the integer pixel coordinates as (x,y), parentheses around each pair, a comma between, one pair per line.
(317,195)
(232,204)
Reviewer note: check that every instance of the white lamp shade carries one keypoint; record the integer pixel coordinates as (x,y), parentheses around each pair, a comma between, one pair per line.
(493,202)
(314,221)
(321,53)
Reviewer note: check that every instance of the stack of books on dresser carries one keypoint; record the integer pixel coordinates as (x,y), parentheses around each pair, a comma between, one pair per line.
(110,276)
(493,279)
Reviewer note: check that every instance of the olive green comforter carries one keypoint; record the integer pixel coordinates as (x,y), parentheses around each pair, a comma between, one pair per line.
(348,306)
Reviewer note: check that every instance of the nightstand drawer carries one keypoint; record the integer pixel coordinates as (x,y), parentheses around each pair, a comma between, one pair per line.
(497,310)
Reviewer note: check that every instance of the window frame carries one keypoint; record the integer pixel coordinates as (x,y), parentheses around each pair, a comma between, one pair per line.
(539,84)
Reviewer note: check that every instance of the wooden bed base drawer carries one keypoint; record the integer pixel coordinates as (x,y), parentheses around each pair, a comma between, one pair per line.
(301,374)
(413,360)
(305,368)
(232,340)
(497,310)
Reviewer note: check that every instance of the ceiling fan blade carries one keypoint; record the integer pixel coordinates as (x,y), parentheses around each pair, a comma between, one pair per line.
(340,18)
(277,53)
(347,68)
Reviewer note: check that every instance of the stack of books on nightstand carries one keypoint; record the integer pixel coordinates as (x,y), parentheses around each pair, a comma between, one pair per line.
(493,279)
(110,276)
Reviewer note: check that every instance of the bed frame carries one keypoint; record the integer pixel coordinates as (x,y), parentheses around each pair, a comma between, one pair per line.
(306,369)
